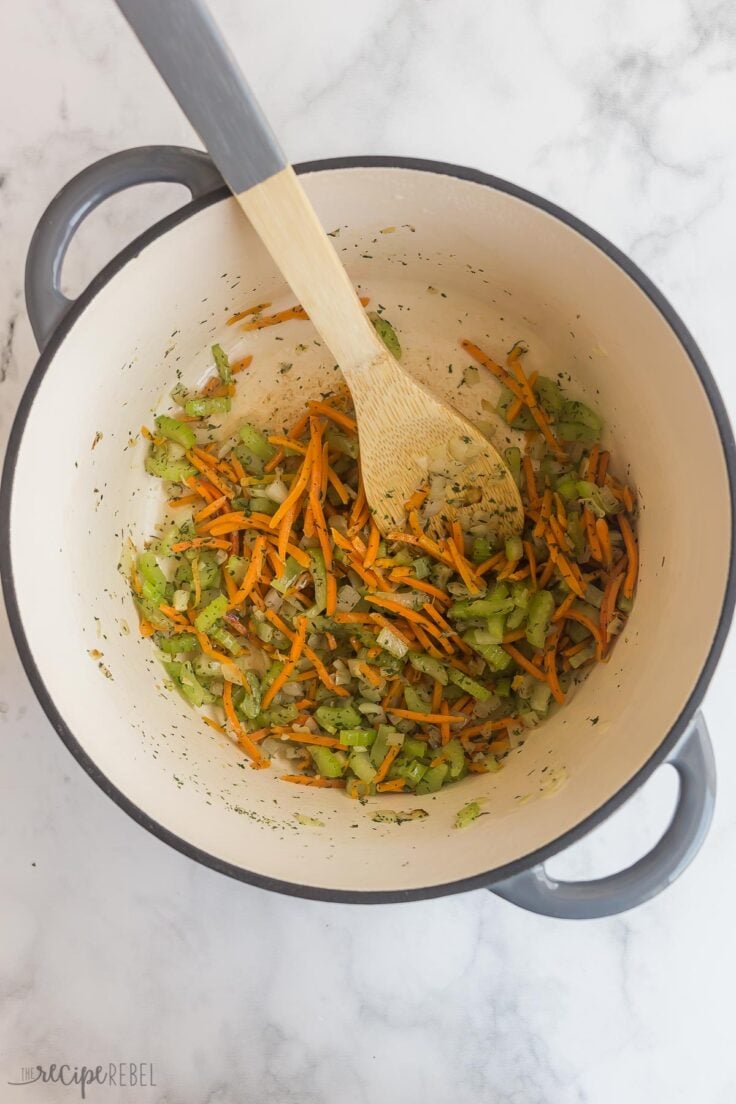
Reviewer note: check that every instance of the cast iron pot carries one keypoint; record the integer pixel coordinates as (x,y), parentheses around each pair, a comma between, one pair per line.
(449,252)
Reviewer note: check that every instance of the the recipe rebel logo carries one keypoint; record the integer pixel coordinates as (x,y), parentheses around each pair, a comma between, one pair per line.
(121,1075)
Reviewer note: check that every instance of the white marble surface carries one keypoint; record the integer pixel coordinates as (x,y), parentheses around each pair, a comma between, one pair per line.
(113,947)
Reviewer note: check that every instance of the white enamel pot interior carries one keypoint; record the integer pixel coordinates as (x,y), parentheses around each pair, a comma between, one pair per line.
(448,255)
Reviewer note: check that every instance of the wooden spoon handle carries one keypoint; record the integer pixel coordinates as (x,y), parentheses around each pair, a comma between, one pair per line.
(191,55)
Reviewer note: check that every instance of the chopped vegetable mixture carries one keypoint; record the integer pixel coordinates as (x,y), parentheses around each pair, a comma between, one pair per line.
(379,664)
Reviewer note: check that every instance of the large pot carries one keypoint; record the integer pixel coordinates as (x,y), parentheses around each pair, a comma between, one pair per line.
(472,256)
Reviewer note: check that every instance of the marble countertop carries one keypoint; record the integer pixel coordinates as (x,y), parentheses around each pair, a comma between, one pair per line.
(114,948)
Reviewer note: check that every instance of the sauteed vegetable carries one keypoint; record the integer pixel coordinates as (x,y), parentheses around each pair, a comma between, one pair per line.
(342,658)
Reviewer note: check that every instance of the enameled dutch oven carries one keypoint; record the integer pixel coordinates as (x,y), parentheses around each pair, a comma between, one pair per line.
(449,252)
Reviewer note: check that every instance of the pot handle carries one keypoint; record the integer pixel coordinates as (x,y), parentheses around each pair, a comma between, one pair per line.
(45,301)
(693,760)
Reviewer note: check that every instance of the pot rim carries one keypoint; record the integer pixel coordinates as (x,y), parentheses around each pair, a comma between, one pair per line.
(484,880)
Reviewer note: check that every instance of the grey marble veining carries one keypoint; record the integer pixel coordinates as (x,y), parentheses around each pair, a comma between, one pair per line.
(115,948)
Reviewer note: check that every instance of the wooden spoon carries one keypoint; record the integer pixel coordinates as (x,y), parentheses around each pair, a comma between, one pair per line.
(403,427)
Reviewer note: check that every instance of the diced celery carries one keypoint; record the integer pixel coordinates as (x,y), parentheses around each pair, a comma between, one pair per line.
(333,717)
(277,715)
(539,614)
(421,567)
(250,706)
(159,463)
(226,639)
(413,749)
(340,442)
(496,627)
(455,757)
(259,504)
(469,685)
(174,645)
(326,761)
(427,665)
(579,413)
(357,737)
(212,404)
(539,697)
(387,333)
(513,459)
(433,779)
(415,701)
(381,744)
(256,442)
(413,771)
(211,613)
(360,764)
(480,550)
(292,571)
(514,549)
(467,814)
(494,655)
(153,580)
(175,430)
(566,486)
(222,363)
(549,395)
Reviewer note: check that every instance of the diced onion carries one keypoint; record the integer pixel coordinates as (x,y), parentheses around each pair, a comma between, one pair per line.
(277,491)
(347,599)
(180,600)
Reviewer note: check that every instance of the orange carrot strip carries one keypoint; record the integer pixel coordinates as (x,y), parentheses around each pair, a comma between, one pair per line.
(437,690)
(604,539)
(336,416)
(211,508)
(633,553)
(213,724)
(445,725)
(385,765)
(593,629)
(183,500)
(285,532)
(287,443)
(243,738)
(253,571)
(628,498)
(523,662)
(314,780)
(592,469)
(430,718)
(396,785)
(244,313)
(274,462)
(296,490)
(342,491)
(373,542)
(238,366)
(331,595)
(199,542)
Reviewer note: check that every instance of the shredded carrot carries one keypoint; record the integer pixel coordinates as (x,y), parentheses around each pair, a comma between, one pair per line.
(336,416)
(430,718)
(386,764)
(633,554)
(592,469)
(239,366)
(331,595)
(196,581)
(464,569)
(561,611)
(213,724)
(244,313)
(199,542)
(522,661)
(211,508)
(531,483)
(288,443)
(183,500)
(590,530)
(243,739)
(273,463)
(253,570)
(604,540)
(583,619)
(314,780)
(373,542)
(371,674)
